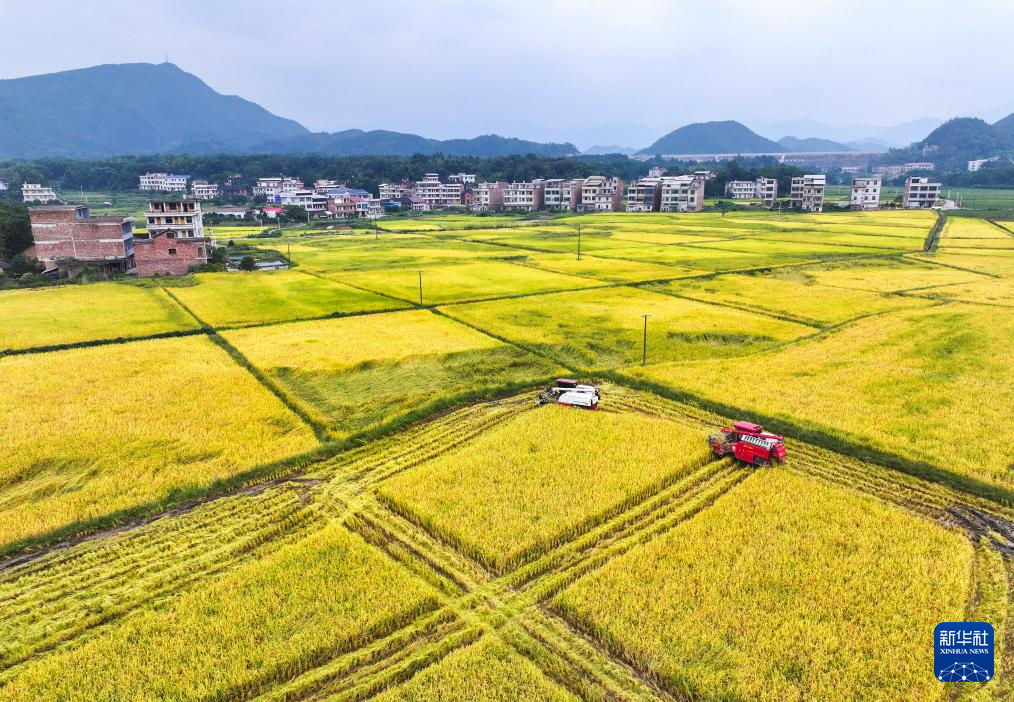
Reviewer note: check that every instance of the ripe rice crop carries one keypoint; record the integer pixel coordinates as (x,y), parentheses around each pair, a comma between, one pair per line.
(993,291)
(486,671)
(52,316)
(909,383)
(788,292)
(239,299)
(785,589)
(995,262)
(603,328)
(971,228)
(262,623)
(103,429)
(364,252)
(798,249)
(356,373)
(541,478)
(887,275)
(614,270)
(464,281)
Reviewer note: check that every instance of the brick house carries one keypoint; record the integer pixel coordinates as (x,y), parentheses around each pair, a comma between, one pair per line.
(68,239)
(174,242)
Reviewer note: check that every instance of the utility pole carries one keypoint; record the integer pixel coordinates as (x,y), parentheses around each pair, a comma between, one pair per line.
(288,254)
(644,341)
(579,242)
(420,289)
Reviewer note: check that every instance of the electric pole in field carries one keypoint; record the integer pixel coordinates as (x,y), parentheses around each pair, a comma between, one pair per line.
(644,341)
(420,289)
(579,242)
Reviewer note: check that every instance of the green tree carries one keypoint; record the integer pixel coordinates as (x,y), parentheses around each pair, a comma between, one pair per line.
(15,229)
(247,263)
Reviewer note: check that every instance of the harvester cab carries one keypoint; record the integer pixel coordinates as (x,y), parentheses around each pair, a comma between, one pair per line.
(570,393)
(749,443)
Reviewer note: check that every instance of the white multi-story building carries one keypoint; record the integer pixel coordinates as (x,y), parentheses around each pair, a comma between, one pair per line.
(978,163)
(656,172)
(437,194)
(273,187)
(562,195)
(33,192)
(767,191)
(807,193)
(741,189)
(919,193)
(203,190)
(866,193)
(683,193)
(488,197)
(468,178)
(163,182)
(393,192)
(644,194)
(311,201)
(601,194)
(3,184)
(893,171)
(183,220)
(524,196)
(322,184)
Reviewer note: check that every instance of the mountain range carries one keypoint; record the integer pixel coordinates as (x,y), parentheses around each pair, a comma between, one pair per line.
(144,108)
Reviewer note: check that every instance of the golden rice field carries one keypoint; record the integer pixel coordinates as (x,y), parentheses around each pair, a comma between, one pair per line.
(465,281)
(788,292)
(356,373)
(519,489)
(908,384)
(605,328)
(322,597)
(99,430)
(784,590)
(243,299)
(486,671)
(54,316)
(303,485)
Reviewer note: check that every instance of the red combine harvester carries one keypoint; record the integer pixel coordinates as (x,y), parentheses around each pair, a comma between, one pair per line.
(749,443)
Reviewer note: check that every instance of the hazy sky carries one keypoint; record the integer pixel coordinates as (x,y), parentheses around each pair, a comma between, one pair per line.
(586,71)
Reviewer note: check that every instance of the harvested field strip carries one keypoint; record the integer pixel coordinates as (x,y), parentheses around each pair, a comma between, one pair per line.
(573,652)
(50,616)
(653,526)
(901,488)
(196,528)
(416,644)
(615,530)
(447,569)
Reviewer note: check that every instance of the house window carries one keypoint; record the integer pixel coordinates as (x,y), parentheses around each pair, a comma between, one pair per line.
(172,252)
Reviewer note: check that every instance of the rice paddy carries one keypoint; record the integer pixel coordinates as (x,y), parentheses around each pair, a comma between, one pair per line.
(778,592)
(306,485)
(243,299)
(53,316)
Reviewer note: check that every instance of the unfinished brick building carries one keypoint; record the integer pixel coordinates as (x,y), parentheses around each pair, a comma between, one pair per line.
(68,239)
(174,242)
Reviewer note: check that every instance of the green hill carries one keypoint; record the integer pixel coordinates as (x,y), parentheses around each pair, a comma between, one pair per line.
(812,144)
(356,142)
(727,137)
(128,109)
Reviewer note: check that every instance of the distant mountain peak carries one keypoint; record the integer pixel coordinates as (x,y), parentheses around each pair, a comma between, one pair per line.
(719,137)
